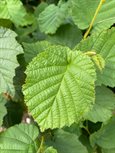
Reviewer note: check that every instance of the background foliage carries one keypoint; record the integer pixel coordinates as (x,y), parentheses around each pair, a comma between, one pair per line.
(57,85)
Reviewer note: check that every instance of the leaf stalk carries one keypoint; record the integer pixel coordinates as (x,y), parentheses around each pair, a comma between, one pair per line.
(94,17)
(41,149)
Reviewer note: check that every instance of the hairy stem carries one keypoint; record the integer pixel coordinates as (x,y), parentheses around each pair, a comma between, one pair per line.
(93,20)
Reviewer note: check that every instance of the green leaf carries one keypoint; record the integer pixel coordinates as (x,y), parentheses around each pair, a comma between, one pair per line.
(32,49)
(102,109)
(67,35)
(66,142)
(26,34)
(103,44)
(59,87)
(74,128)
(105,137)
(85,141)
(15,11)
(2,108)
(40,8)
(52,17)
(9,49)
(19,139)
(108,150)
(83,12)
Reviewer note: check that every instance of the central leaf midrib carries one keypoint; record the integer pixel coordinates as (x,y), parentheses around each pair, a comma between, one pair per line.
(61,82)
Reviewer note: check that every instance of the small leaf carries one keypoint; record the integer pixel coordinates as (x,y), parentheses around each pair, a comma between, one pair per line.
(52,17)
(59,87)
(19,139)
(9,49)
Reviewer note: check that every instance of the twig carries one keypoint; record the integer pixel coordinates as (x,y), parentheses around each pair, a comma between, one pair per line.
(93,20)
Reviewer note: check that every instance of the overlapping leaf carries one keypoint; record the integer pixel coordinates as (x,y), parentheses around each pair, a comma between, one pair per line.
(104,105)
(14,11)
(19,139)
(32,49)
(52,17)
(40,8)
(103,44)
(67,35)
(9,49)
(105,137)
(66,142)
(59,87)
(83,12)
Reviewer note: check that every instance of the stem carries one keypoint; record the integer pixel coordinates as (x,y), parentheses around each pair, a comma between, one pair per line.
(93,20)
(95,150)
(87,130)
(40,150)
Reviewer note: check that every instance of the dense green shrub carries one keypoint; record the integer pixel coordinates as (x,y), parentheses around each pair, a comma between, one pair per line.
(57,76)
